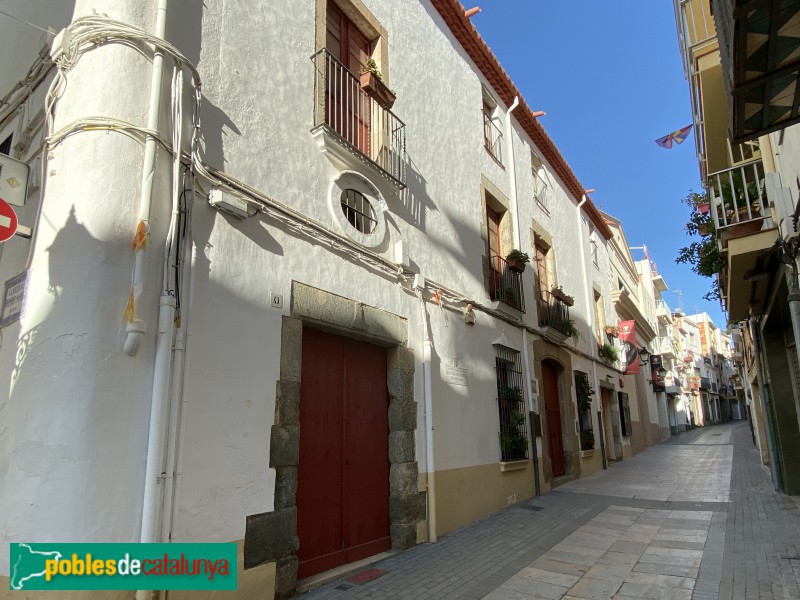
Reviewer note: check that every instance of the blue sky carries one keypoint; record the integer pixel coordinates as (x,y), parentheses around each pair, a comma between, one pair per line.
(610,77)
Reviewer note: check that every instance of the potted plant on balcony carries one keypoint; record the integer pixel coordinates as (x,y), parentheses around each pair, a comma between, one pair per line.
(571,330)
(612,331)
(609,353)
(701,254)
(587,439)
(371,80)
(516,260)
(558,293)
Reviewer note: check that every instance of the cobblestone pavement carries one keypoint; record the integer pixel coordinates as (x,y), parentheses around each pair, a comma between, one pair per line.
(692,518)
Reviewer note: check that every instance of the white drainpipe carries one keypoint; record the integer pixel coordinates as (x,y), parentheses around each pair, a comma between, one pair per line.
(428,402)
(136,329)
(589,301)
(512,173)
(512,181)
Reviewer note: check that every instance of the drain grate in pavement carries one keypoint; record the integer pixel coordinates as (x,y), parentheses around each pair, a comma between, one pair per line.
(344,587)
(530,507)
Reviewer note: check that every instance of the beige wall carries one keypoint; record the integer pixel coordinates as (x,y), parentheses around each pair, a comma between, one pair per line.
(488,489)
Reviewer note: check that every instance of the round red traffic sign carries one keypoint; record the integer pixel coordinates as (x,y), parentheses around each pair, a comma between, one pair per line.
(8,221)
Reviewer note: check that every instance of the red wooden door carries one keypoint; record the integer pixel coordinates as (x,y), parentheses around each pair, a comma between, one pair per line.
(554,442)
(343,477)
(348,108)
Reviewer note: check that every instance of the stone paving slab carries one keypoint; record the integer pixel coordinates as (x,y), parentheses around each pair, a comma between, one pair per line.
(694,518)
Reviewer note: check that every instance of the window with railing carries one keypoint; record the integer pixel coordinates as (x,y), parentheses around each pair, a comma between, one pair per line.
(513,434)
(505,284)
(357,118)
(492,136)
(541,188)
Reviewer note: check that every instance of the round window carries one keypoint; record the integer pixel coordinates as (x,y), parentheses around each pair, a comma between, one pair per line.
(358,211)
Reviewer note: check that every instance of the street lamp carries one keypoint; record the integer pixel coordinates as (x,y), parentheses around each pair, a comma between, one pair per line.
(644,355)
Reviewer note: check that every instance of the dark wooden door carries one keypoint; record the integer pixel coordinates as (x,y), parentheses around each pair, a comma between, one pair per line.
(495,251)
(555,443)
(343,477)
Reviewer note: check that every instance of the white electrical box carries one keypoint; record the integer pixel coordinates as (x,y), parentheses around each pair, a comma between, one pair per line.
(228,203)
(13,180)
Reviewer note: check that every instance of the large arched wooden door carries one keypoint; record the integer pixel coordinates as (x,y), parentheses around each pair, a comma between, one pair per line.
(552,407)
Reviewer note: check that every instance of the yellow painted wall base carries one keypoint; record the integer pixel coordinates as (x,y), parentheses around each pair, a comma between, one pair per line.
(254,584)
(591,463)
(467,494)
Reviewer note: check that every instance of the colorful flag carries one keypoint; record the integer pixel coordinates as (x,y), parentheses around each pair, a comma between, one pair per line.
(676,136)
(630,350)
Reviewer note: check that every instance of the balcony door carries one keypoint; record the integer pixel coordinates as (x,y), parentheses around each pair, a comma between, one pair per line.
(495,252)
(348,109)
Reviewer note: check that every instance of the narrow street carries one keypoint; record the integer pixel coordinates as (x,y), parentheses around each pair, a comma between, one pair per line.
(695,517)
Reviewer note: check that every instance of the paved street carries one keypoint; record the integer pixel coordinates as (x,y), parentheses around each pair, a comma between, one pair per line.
(693,518)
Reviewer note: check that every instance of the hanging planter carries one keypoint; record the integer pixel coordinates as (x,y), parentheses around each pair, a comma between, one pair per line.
(559,294)
(371,82)
(703,208)
(516,260)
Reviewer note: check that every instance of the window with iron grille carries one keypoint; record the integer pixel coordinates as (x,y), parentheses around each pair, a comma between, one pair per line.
(358,211)
(583,395)
(511,405)
(624,413)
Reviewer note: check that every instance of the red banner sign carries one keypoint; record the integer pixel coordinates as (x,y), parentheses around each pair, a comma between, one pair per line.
(630,349)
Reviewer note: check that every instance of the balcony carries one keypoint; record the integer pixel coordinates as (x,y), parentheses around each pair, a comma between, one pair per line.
(505,284)
(665,347)
(705,383)
(758,45)
(492,138)
(663,312)
(353,126)
(553,313)
(741,216)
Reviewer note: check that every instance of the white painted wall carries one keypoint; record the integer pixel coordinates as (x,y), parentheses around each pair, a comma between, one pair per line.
(75,423)
(75,415)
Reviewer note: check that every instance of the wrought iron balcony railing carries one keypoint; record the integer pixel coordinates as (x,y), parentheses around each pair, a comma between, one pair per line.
(492,138)
(705,383)
(505,284)
(552,312)
(360,122)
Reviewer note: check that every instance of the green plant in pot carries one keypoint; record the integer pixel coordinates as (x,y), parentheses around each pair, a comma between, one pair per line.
(609,353)
(583,391)
(587,439)
(516,260)
(513,444)
(571,329)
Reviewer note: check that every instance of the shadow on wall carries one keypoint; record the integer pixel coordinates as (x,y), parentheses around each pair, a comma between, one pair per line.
(415,203)
(185,30)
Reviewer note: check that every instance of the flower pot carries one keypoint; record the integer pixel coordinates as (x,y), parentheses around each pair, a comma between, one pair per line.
(377,90)
(611,331)
(515,264)
(703,208)
(558,294)
(704,229)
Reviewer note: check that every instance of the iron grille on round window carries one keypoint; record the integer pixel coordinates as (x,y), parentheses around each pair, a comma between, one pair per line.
(358,211)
